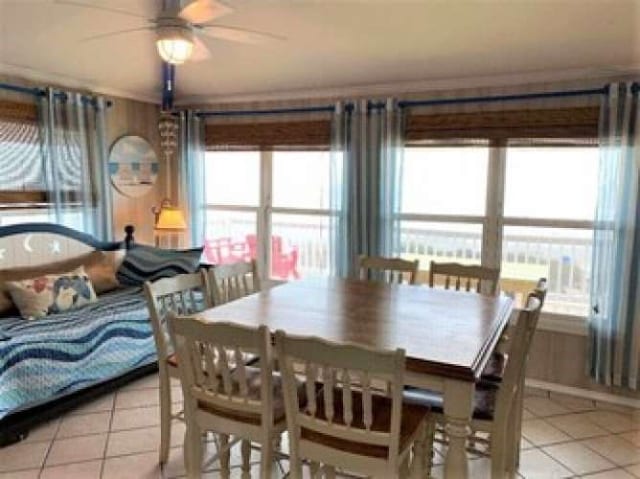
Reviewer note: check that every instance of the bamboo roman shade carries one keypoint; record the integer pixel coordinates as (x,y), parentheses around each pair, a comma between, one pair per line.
(290,134)
(21,165)
(578,122)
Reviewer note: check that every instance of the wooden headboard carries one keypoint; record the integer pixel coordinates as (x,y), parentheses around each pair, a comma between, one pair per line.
(34,244)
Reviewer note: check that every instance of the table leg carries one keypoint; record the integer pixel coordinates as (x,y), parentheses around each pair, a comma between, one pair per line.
(458,406)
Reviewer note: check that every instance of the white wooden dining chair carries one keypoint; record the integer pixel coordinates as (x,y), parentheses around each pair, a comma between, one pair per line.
(349,424)
(391,270)
(495,409)
(233,281)
(183,294)
(224,395)
(464,277)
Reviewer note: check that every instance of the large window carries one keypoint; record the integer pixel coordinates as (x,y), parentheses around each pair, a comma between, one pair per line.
(525,207)
(269,206)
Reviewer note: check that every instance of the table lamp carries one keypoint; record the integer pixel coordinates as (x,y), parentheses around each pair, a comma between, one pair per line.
(169,220)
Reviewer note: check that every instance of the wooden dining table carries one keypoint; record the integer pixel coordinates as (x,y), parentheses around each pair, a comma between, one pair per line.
(448,336)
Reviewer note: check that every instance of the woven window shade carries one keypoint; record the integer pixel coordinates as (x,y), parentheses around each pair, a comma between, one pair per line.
(18,112)
(542,123)
(291,135)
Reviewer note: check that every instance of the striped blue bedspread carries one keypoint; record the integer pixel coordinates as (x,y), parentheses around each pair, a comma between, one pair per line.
(50,357)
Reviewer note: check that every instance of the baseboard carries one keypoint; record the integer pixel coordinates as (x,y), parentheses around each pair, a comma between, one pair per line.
(584,393)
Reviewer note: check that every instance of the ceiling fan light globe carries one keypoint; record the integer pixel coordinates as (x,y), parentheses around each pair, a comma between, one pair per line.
(175,51)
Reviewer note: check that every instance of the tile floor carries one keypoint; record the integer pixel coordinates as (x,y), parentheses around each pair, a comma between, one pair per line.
(116,437)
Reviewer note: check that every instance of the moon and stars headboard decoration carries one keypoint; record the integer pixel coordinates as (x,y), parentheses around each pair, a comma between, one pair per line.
(34,244)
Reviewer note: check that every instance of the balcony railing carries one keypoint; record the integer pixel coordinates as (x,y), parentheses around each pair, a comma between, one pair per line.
(564,260)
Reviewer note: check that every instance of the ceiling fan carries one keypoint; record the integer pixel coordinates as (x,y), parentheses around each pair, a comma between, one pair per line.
(179,26)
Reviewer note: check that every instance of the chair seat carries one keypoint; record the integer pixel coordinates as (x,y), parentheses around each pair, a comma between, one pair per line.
(494,370)
(412,416)
(484,401)
(254,385)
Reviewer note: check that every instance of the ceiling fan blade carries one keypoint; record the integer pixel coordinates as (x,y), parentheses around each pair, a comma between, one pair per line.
(200,51)
(237,34)
(100,7)
(119,32)
(200,11)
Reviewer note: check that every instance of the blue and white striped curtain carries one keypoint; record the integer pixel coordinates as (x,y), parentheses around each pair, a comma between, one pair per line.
(367,152)
(73,145)
(615,283)
(192,187)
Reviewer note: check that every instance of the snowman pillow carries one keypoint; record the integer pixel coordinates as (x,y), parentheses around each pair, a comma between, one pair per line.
(52,293)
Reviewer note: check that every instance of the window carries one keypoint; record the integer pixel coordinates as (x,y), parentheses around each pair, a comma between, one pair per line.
(451,197)
(443,198)
(281,195)
(549,207)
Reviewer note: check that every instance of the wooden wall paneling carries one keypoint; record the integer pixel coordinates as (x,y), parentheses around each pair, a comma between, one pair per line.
(129,117)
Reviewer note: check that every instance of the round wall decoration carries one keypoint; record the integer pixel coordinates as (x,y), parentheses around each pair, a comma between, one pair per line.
(133,166)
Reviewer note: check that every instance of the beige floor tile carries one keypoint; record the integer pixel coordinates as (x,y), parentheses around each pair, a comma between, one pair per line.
(44,432)
(526,414)
(23,456)
(524,444)
(534,464)
(150,381)
(573,403)
(539,432)
(633,437)
(28,474)
(615,449)
(634,470)
(136,466)
(543,407)
(144,397)
(76,449)
(577,426)
(80,470)
(175,464)
(134,418)
(607,406)
(133,441)
(529,391)
(101,404)
(613,421)
(578,458)
(613,474)
(83,424)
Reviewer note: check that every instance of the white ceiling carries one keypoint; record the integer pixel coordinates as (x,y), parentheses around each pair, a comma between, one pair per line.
(330,44)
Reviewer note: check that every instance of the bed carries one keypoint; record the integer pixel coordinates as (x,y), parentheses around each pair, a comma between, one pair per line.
(52,364)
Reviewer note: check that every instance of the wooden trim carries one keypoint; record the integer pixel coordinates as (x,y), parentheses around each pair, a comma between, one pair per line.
(23,197)
(18,111)
(308,134)
(539,123)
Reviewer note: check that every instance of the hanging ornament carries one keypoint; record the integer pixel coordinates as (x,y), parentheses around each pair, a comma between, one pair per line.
(168,128)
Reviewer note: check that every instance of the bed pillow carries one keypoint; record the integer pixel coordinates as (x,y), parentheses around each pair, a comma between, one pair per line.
(100,266)
(52,293)
(146,263)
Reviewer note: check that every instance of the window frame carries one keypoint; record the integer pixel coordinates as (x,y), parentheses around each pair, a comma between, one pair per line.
(264,212)
(494,221)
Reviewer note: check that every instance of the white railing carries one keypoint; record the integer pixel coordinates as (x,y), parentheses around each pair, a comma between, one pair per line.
(564,261)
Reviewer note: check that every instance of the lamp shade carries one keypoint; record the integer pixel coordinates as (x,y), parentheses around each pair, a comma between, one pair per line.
(171,219)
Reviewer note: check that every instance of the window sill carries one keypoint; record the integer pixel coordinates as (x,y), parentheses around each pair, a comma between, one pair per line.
(562,323)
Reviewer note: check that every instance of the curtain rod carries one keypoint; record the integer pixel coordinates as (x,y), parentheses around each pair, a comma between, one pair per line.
(275,111)
(42,92)
(485,99)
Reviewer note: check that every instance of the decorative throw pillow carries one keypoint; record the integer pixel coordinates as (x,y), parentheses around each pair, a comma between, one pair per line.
(52,293)
(146,263)
(100,266)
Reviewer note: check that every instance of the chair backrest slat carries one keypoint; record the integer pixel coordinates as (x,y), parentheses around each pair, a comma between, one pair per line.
(520,345)
(181,294)
(233,281)
(348,373)
(391,270)
(211,359)
(465,276)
